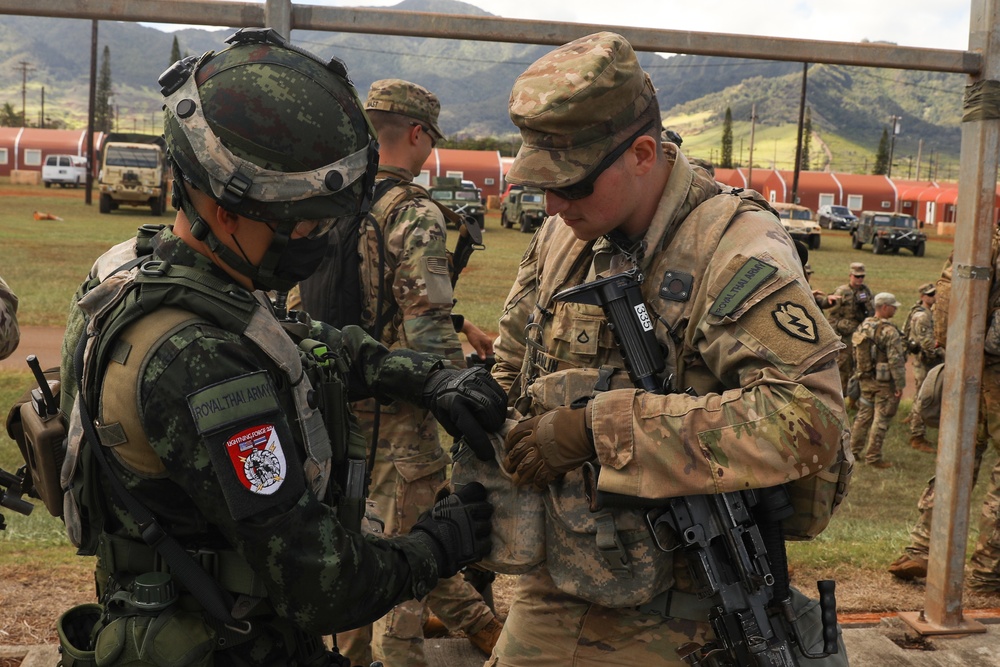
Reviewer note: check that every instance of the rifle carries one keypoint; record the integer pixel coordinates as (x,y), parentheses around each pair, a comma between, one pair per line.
(733,540)
(470,238)
(12,492)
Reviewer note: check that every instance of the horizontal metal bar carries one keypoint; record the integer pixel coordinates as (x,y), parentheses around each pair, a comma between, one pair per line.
(495,29)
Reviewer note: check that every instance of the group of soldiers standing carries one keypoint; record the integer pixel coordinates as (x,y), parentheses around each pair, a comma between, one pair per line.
(873,361)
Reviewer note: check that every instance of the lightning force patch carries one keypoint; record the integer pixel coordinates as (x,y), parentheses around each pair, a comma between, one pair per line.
(795,321)
(258,459)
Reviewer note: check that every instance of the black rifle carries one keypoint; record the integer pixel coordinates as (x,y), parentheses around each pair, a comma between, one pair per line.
(12,492)
(733,540)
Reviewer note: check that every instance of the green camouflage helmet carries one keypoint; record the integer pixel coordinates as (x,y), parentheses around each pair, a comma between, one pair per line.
(269,131)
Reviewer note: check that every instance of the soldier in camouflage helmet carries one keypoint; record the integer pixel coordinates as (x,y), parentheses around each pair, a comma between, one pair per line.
(734,317)
(853,304)
(918,336)
(880,363)
(410,465)
(10,334)
(230,427)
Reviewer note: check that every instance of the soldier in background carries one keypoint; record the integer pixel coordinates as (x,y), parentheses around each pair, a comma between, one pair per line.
(854,304)
(880,362)
(918,335)
(10,334)
(416,311)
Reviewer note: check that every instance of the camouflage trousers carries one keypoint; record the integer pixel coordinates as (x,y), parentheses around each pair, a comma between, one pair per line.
(920,369)
(986,556)
(845,361)
(876,407)
(549,628)
(397,639)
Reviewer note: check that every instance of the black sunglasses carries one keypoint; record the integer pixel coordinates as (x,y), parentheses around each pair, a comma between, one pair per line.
(585,188)
(428,131)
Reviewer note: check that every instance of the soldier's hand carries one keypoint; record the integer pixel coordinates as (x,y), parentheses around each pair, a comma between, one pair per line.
(468,403)
(457,529)
(542,448)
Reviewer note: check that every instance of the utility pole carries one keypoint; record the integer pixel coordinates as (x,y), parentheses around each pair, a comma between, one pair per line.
(798,143)
(920,149)
(25,68)
(91,158)
(41,116)
(892,141)
(753,124)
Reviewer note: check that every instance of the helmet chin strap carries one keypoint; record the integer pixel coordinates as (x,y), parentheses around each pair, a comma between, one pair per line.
(262,277)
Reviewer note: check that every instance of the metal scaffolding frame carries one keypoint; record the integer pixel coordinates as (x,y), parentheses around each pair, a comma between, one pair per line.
(980,151)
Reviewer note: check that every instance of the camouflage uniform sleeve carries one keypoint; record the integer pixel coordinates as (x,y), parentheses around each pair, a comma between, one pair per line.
(895,351)
(922,331)
(422,285)
(778,413)
(520,304)
(320,576)
(10,334)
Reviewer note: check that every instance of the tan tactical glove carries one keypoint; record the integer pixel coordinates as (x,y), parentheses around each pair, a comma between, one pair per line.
(542,448)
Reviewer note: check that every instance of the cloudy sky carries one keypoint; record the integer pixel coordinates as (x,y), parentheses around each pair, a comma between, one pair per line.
(942,24)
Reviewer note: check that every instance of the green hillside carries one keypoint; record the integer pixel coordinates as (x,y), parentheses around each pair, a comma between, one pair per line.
(850,105)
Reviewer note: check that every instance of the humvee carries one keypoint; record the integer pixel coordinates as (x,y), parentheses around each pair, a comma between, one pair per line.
(462,199)
(799,222)
(525,207)
(888,232)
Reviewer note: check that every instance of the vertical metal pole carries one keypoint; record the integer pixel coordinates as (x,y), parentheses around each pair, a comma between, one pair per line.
(278,16)
(966,330)
(753,125)
(798,143)
(91,159)
(892,143)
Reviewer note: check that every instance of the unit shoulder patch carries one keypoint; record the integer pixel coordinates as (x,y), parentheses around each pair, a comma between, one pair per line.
(754,273)
(794,320)
(258,458)
(232,401)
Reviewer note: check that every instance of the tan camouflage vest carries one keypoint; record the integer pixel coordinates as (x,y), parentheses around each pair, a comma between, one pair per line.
(119,424)
(608,557)
(867,353)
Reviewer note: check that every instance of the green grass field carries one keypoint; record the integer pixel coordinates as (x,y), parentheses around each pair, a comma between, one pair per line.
(45,260)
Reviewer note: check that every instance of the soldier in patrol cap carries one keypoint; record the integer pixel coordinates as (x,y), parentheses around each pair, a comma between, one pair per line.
(918,336)
(880,363)
(410,464)
(734,317)
(231,430)
(853,304)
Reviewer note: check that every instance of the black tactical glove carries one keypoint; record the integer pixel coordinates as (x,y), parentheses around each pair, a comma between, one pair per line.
(457,529)
(468,403)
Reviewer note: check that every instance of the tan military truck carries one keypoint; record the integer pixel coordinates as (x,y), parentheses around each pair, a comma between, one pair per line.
(462,197)
(133,174)
(525,207)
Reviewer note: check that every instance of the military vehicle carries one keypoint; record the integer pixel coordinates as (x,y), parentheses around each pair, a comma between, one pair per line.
(525,207)
(133,174)
(800,223)
(888,232)
(461,198)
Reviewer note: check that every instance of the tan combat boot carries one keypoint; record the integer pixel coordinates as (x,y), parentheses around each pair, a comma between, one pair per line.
(908,567)
(487,637)
(921,444)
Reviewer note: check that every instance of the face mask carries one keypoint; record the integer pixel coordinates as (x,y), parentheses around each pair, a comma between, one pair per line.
(301,258)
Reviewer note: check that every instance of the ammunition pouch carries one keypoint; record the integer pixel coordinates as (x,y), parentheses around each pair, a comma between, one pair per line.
(882,373)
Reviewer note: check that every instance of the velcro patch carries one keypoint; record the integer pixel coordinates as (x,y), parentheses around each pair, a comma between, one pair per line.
(258,459)
(795,321)
(742,285)
(232,401)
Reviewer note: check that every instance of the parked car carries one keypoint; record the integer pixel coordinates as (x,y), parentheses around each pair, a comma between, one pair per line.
(800,223)
(888,232)
(526,207)
(460,198)
(64,170)
(831,216)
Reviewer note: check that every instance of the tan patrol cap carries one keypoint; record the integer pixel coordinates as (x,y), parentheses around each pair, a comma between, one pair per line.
(857,269)
(572,105)
(928,289)
(405,98)
(886,299)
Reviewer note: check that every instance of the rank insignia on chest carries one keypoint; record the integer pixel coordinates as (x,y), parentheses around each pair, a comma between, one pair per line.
(795,321)
(258,459)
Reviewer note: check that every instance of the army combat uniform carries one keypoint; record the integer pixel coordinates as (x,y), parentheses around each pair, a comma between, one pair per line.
(919,338)
(410,465)
(765,407)
(240,472)
(10,334)
(845,316)
(881,376)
